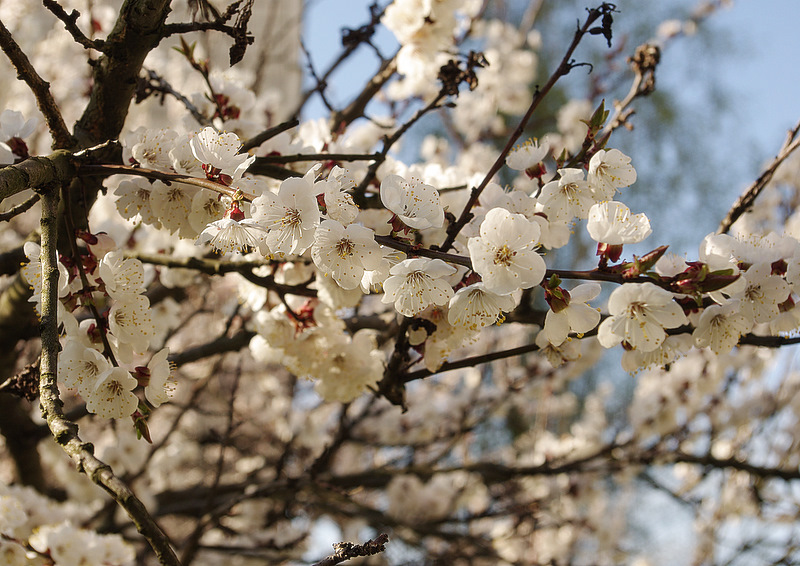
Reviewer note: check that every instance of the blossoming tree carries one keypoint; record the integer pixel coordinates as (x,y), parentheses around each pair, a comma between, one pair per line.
(252,330)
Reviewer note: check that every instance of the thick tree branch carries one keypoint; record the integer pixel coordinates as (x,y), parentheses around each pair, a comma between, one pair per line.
(58,167)
(137,31)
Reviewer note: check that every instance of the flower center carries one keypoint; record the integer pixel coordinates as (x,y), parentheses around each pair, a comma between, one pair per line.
(344,248)
(174,194)
(503,256)
(416,278)
(114,388)
(754,293)
(636,310)
(291,218)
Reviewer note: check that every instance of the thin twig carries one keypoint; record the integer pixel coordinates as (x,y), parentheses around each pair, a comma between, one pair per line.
(389,141)
(114,169)
(322,85)
(320,157)
(268,134)
(340,120)
(349,49)
(745,201)
(566,65)
(19,209)
(157,83)
(62,139)
(71,24)
(347,550)
(214,267)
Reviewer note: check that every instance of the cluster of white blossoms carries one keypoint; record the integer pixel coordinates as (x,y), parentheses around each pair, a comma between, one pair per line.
(312,227)
(426,31)
(37,530)
(94,349)
(319,241)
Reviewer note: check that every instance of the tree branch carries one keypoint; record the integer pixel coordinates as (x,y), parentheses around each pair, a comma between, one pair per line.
(19,209)
(347,550)
(269,133)
(70,23)
(64,431)
(745,201)
(58,168)
(563,69)
(62,139)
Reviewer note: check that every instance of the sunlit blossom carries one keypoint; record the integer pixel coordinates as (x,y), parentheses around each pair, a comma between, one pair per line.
(414,284)
(228,235)
(610,170)
(475,307)
(612,223)
(639,314)
(414,202)
(345,252)
(291,216)
(504,254)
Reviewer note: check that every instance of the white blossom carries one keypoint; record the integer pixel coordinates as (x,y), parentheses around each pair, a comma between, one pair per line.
(352,367)
(558,354)
(414,284)
(161,385)
(130,321)
(220,151)
(172,204)
(720,327)
(612,223)
(576,317)
(414,202)
(762,293)
(228,235)
(672,348)
(14,125)
(475,307)
(525,156)
(149,148)
(339,203)
(291,216)
(345,253)
(568,197)
(111,395)
(79,366)
(504,253)
(133,201)
(121,276)
(639,314)
(610,170)
(207,207)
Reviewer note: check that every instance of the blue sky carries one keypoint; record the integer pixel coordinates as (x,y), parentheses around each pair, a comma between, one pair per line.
(765,75)
(760,76)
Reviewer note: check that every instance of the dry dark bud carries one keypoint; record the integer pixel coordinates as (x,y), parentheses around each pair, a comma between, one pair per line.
(644,62)
(453,74)
(25,384)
